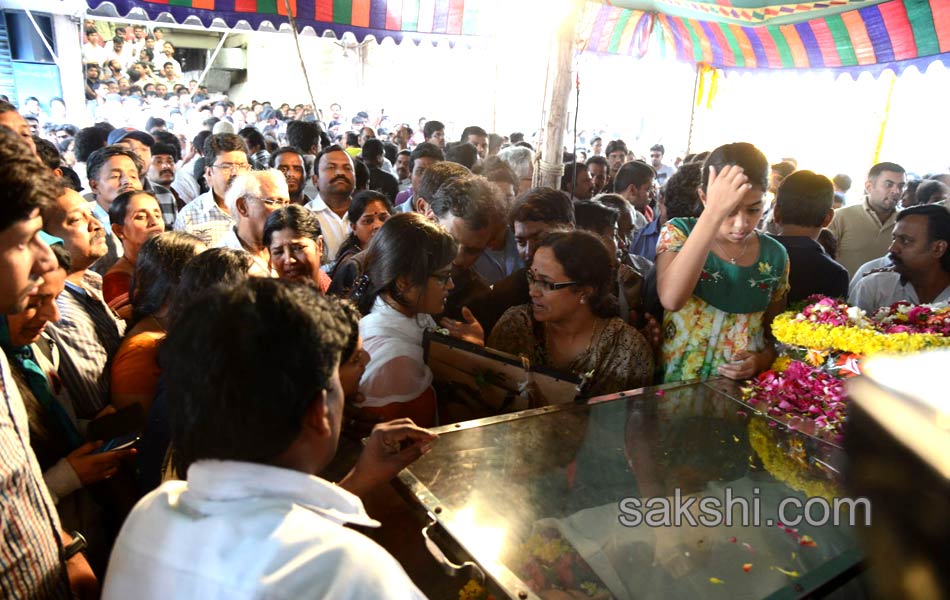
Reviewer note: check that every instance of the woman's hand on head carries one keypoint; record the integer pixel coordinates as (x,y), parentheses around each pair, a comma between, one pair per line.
(725,190)
(469,330)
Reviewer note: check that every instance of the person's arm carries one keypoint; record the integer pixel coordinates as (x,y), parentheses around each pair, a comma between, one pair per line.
(678,272)
(390,448)
(82,581)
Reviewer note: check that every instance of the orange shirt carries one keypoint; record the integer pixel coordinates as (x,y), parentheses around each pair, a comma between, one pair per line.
(135,366)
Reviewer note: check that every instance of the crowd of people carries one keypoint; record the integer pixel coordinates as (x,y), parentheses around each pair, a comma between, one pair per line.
(190,325)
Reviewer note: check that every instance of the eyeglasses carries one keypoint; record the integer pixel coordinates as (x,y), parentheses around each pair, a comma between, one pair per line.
(278,202)
(232,167)
(546,286)
(442,278)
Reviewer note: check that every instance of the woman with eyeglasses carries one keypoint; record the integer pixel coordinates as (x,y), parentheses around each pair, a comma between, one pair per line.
(570,324)
(367,213)
(406,278)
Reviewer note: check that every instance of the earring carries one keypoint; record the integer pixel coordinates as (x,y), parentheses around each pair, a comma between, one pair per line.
(583,300)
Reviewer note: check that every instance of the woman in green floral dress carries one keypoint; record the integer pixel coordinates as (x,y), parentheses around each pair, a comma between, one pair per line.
(720,281)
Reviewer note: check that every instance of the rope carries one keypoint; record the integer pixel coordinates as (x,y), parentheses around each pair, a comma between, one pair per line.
(303,67)
(549,168)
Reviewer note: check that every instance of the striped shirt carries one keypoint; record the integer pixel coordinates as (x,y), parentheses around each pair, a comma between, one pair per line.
(88,334)
(31,563)
(204,219)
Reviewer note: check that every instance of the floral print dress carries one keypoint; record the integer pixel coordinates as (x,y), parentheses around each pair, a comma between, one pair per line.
(724,315)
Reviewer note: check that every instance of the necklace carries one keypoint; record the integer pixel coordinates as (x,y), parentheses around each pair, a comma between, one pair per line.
(590,344)
(733,260)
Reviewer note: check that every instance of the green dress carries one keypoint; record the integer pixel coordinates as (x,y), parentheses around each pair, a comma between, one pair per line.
(724,314)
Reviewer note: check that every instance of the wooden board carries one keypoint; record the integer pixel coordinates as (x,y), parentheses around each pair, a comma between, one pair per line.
(491,377)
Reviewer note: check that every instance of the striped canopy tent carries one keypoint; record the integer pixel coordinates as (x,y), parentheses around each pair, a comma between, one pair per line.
(747,34)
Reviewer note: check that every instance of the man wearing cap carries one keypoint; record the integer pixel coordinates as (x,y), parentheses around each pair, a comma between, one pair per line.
(141,144)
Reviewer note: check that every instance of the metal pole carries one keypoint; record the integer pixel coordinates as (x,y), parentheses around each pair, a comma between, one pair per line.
(303,67)
(214,55)
(39,32)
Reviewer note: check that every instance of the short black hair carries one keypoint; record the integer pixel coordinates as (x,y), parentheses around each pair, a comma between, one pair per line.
(88,140)
(595,217)
(471,199)
(361,175)
(938,225)
(743,154)
(472,130)
(597,160)
(289,150)
(635,173)
(927,189)
(245,400)
(542,205)
(98,158)
(436,175)
(253,137)
(220,143)
(681,192)
(571,170)
(429,129)
(804,199)
(158,269)
(215,266)
(658,148)
(842,181)
(162,148)
(614,146)
(296,218)
(425,150)
(25,184)
(47,152)
(373,148)
(884,166)
(463,153)
(305,135)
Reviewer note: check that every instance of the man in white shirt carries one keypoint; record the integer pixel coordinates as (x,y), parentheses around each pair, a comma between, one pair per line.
(335,181)
(921,259)
(207,217)
(253,520)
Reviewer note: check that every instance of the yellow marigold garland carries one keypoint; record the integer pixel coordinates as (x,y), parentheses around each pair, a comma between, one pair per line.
(865,341)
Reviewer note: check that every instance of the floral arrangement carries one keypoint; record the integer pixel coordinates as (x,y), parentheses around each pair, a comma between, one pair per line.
(827,324)
(797,393)
(547,561)
(787,460)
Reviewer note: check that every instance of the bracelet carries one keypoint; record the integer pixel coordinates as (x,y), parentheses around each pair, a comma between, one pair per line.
(74,547)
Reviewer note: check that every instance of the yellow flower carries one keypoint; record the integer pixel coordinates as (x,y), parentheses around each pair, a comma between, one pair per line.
(816,358)
(780,364)
(863,341)
(765,268)
(789,465)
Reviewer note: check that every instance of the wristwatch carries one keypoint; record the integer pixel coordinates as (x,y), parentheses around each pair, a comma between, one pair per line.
(74,547)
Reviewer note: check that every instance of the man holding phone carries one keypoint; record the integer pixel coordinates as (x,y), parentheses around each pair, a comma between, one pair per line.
(31,540)
(253,519)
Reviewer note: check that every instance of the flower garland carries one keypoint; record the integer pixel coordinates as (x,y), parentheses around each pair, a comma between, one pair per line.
(829,325)
(546,561)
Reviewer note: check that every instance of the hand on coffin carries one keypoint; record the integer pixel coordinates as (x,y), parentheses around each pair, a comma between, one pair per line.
(390,448)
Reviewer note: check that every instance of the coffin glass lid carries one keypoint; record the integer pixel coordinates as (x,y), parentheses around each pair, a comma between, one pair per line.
(560,498)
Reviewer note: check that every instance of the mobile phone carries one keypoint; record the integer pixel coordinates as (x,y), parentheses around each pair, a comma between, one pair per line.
(120,443)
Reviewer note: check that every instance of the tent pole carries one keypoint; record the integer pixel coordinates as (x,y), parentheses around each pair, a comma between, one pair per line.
(303,67)
(558,95)
(214,55)
(692,110)
(887,115)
